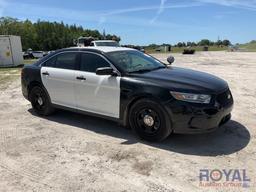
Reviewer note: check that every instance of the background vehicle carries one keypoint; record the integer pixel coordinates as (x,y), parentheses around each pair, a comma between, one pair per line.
(83,41)
(30,54)
(108,43)
(189,51)
(90,41)
(130,87)
(38,54)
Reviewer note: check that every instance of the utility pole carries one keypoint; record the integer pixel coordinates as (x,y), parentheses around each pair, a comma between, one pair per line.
(104,34)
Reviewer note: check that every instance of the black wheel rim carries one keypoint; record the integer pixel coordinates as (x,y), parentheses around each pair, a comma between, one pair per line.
(39,101)
(148,121)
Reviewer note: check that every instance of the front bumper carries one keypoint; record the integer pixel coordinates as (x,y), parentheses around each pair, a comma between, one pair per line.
(198,118)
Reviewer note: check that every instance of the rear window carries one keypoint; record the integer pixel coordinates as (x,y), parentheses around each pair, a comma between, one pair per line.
(66,61)
(50,62)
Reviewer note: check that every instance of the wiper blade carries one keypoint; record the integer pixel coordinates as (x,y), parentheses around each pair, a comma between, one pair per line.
(141,70)
(161,67)
(147,70)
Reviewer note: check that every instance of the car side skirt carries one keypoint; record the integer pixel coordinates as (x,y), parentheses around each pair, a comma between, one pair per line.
(88,113)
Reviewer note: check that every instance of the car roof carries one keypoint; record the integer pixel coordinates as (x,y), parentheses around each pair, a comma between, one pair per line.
(104,49)
(100,49)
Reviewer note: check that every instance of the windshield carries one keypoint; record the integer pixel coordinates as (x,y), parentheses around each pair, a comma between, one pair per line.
(109,44)
(134,61)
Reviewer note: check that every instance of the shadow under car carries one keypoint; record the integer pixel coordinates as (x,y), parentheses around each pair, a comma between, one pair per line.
(227,139)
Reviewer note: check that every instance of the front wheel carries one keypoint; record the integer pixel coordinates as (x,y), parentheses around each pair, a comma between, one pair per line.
(40,101)
(149,120)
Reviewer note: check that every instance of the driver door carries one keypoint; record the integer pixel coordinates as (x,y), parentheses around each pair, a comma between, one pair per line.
(94,93)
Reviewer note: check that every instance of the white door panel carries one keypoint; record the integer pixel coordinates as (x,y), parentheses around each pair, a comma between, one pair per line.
(60,85)
(98,94)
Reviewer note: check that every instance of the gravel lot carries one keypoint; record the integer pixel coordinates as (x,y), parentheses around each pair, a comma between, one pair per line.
(72,152)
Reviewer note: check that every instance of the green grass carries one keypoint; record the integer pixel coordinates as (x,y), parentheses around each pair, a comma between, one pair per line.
(9,74)
(180,49)
(26,62)
(9,69)
(30,61)
(249,46)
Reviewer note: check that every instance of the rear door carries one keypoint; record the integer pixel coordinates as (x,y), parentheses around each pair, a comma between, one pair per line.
(58,76)
(94,93)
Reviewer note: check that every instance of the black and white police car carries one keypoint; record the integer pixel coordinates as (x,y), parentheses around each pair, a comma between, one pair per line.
(130,87)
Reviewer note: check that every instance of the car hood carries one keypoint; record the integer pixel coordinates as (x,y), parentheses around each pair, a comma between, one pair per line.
(181,79)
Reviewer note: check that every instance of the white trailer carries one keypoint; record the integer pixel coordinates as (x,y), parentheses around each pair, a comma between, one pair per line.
(10,51)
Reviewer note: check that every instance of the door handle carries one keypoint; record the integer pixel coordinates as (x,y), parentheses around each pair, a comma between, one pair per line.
(45,73)
(81,78)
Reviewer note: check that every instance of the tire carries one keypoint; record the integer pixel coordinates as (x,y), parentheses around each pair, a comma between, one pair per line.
(149,120)
(40,101)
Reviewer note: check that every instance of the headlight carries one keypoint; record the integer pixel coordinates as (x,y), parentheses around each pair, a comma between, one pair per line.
(193,98)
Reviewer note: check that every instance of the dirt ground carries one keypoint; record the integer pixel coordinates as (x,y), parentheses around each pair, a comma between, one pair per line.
(72,152)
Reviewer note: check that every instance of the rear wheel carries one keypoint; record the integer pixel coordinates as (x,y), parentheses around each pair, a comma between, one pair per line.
(40,101)
(149,120)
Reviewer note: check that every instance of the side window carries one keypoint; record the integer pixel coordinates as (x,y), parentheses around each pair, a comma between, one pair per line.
(66,61)
(91,62)
(50,62)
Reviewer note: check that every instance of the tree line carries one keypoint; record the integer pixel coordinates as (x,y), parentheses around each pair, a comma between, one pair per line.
(203,42)
(45,35)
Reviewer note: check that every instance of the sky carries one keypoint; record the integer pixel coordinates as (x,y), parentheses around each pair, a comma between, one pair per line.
(142,22)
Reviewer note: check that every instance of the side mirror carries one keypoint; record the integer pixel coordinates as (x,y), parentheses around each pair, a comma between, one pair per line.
(105,71)
(170,59)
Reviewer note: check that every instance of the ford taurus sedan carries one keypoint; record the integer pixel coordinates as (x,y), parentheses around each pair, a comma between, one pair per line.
(130,87)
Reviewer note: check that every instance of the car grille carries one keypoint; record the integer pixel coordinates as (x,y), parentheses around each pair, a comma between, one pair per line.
(225,98)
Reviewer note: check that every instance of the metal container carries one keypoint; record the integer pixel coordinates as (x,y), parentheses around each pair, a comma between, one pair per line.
(10,51)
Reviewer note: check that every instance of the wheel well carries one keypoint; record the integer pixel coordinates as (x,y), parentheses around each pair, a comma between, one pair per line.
(127,109)
(37,84)
(32,85)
